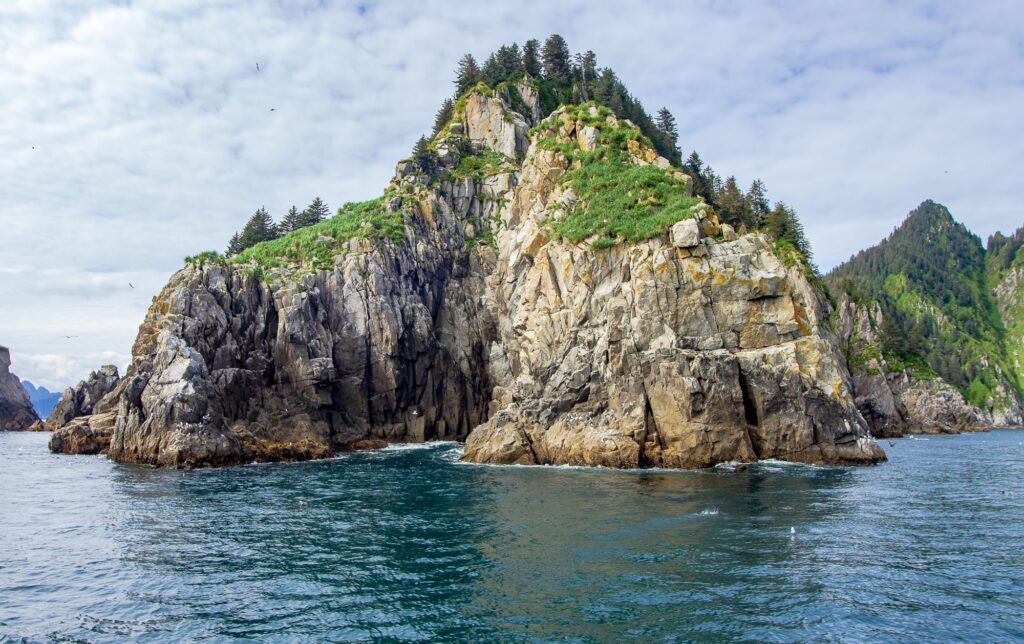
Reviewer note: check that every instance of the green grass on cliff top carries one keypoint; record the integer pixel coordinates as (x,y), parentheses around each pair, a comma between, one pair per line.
(617,200)
(317,245)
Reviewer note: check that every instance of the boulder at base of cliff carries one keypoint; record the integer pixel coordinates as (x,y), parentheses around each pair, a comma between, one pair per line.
(84,435)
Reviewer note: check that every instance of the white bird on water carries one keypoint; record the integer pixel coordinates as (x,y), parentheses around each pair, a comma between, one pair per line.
(302,503)
(792,530)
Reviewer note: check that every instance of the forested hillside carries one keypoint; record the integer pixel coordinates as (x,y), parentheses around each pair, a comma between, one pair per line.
(931,280)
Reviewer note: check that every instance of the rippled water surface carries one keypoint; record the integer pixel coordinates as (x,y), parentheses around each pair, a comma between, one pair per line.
(407,544)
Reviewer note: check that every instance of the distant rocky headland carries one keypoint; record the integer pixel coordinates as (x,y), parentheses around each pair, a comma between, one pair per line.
(16,412)
(545,280)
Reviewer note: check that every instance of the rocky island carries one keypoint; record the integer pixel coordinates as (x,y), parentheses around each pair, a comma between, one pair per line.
(478,300)
(540,281)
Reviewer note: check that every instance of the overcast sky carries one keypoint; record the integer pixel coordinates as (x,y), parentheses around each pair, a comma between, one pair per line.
(134,133)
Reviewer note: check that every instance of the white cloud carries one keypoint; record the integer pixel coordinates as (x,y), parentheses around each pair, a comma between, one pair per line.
(57,371)
(154,138)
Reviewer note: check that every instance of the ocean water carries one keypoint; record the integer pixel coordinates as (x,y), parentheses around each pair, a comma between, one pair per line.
(408,544)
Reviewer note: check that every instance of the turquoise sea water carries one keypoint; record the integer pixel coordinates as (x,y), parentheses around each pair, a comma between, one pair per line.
(407,544)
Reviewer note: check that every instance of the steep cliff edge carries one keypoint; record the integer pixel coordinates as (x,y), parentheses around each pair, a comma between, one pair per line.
(16,412)
(681,352)
(520,291)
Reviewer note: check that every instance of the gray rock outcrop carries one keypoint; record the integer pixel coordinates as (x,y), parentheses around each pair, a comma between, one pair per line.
(892,400)
(83,420)
(478,326)
(81,399)
(16,412)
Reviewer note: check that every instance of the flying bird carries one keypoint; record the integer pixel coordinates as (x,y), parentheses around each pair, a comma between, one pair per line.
(131,285)
(70,336)
(257,67)
(271,109)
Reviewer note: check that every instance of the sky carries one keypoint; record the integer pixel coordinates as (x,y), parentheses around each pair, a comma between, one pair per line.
(136,132)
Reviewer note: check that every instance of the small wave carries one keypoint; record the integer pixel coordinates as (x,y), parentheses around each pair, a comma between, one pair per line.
(710,512)
(778,464)
(402,447)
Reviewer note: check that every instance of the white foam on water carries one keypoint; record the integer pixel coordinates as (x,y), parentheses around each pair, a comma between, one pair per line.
(777,464)
(402,447)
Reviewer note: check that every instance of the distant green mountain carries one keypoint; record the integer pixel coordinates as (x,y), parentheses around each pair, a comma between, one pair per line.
(935,282)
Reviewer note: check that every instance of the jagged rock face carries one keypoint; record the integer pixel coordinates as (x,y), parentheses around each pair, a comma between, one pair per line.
(81,399)
(531,97)
(681,354)
(490,125)
(390,345)
(91,410)
(895,403)
(16,412)
(535,351)
(229,369)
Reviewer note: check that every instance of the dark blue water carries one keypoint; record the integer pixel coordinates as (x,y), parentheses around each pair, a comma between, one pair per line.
(409,545)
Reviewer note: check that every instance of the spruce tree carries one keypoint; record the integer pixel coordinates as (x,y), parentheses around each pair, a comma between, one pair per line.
(710,185)
(586,66)
(694,164)
(531,60)
(490,73)
(782,223)
(732,206)
(443,116)
(757,200)
(423,155)
(421,149)
(510,62)
(667,124)
(292,221)
(608,91)
(235,245)
(314,213)
(259,228)
(557,66)
(467,75)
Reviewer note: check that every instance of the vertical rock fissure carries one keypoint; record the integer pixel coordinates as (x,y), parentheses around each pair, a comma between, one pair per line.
(749,407)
